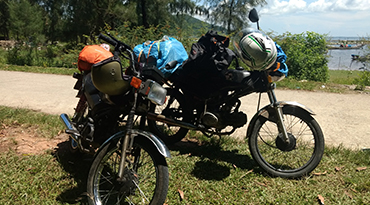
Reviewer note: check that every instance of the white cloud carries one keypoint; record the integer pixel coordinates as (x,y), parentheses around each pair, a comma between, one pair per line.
(276,6)
(279,7)
(333,17)
(339,5)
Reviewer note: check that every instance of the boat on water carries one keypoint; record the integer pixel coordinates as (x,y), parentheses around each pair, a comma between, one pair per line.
(347,46)
(355,57)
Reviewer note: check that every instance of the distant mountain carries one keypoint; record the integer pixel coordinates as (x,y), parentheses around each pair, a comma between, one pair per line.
(196,25)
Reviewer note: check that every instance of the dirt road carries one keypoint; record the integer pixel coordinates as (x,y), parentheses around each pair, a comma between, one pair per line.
(344,118)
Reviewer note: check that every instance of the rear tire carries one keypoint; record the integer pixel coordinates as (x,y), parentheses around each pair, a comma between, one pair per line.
(174,108)
(76,120)
(145,177)
(288,161)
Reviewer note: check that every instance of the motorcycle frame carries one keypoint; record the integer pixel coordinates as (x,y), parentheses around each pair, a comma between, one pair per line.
(275,106)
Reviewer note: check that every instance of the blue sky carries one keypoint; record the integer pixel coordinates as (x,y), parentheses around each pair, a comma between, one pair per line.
(332,17)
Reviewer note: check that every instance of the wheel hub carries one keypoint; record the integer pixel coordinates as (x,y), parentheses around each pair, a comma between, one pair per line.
(283,146)
(127,183)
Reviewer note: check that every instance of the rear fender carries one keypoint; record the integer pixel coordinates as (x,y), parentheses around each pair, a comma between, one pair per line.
(269,112)
(159,144)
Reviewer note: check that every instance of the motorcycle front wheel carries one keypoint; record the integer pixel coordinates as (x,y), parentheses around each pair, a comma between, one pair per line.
(145,179)
(174,108)
(293,160)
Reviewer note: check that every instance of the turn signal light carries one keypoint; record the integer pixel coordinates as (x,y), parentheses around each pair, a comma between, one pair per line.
(135,82)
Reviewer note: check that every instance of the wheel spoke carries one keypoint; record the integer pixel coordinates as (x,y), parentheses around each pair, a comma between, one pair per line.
(141,192)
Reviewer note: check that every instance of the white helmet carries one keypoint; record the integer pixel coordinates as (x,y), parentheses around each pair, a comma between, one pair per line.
(255,48)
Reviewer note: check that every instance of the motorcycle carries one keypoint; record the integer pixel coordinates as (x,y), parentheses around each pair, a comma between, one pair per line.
(283,137)
(129,164)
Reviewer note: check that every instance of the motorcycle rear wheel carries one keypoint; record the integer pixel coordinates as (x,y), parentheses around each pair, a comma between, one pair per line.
(76,119)
(292,160)
(174,109)
(145,177)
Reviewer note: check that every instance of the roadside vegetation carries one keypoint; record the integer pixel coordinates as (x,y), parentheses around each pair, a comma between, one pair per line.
(202,171)
(51,34)
(307,58)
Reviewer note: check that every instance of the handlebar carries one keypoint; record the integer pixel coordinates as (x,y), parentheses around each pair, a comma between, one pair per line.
(113,41)
(108,40)
(119,48)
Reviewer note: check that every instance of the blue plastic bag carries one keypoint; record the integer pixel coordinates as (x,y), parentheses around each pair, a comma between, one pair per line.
(281,58)
(161,52)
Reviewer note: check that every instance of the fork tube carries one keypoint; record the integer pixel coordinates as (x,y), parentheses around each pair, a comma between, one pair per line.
(126,141)
(279,113)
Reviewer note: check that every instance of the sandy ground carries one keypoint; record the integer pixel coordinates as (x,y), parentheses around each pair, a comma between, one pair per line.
(344,118)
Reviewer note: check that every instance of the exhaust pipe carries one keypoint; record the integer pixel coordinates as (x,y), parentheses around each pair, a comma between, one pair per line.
(65,119)
(71,130)
(161,118)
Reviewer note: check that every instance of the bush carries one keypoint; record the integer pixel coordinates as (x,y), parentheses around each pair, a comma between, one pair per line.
(19,55)
(44,56)
(306,53)
(3,54)
(363,80)
(66,54)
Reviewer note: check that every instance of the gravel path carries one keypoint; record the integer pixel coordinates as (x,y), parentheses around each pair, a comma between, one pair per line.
(344,118)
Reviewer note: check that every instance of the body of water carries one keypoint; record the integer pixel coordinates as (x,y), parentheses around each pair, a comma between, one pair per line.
(341,59)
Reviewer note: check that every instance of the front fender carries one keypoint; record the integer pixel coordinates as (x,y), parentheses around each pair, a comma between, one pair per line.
(269,112)
(159,144)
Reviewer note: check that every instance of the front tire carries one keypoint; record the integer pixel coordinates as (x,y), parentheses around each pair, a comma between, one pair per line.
(145,177)
(298,158)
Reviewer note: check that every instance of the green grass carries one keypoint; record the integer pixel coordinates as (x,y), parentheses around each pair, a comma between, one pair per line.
(339,82)
(37,69)
(226,174)
(39,179)
(345,77)
(45,125)
(211,173)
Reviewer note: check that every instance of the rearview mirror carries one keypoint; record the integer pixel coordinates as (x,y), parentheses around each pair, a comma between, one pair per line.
(253,15)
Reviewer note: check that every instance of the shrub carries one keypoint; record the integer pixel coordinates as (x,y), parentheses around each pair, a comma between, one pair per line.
(19,55)
(363,80)
(45,56)
(306,53)
(3,53)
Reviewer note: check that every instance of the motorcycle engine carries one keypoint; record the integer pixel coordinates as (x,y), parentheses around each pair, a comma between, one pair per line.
(105,122)
(222,119)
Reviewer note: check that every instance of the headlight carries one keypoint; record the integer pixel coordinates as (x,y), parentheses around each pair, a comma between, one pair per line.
(154,92)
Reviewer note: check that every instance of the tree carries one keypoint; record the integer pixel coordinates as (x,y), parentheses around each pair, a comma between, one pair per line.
(156,12)
(4,19)
(153,12)
(182,8)
(231,14)
(25,20)
(54,18)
